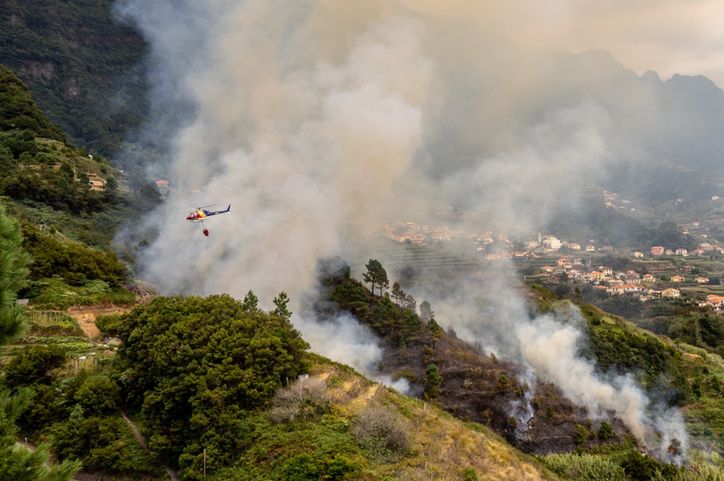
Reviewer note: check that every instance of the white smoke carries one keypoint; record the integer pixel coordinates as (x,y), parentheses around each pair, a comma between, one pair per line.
(346,340)
(318,119)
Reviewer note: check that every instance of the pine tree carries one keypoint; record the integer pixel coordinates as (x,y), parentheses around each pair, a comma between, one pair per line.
(16,462)
(433,381)
(251,302)
(376,275)
(398,295)
(426,312)
(13,273)
(281,302)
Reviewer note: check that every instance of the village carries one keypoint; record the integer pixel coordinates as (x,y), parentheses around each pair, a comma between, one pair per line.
(657,273)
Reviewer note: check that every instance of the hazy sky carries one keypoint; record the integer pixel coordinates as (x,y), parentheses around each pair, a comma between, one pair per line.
(669,36)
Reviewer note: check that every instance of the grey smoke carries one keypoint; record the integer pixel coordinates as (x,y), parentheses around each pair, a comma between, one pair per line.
(320,120)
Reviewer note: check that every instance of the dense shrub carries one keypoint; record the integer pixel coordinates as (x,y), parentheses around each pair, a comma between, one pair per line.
(56,294)
(101,443)
(584,467)
(98,395)
(76,263)
(196,366)
(33,366)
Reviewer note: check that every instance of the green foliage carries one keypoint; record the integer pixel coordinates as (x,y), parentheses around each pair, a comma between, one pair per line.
(581,435)
(435,329)
(319,450)
(641,468)
(76,263)
(104,444)
(33,366)
(18,111)
(376,275)
(82,65)
(56,294)
(196,365)
(469,474)
(52,323)
(433,381)
(250,303)
(380,313)
(605,432)
(307,468)
(13,271)
(98,395)
(281,308)
(699,329)
(110,325)
(584,467)
(18,463)
(625,350)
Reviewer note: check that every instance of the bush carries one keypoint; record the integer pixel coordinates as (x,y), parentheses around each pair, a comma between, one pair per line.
(584,467)
(605,431)
(307,468)
(110,324)
(197,367)
(381,432)
(98,395)
(76,263)
(305,398)
(433,381)
(33,366)
(56,294)
(641,468)
(101,443)
(469,474)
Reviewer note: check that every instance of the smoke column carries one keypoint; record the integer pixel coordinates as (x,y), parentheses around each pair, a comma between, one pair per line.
(317,119)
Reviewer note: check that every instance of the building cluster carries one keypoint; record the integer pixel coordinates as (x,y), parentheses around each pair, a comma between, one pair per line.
(420,234)
(542,246)
(703,249)
(614,283)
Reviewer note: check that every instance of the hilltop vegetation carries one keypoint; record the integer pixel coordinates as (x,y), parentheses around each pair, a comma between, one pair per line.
(69,204)
(18,462)
(219,376)
(38,166)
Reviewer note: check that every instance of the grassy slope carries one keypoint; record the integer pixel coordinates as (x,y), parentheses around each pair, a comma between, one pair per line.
(441,446)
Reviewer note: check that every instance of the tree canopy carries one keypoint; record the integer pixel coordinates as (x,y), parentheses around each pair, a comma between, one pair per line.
(376,275)
(18,463)
(13,273)
(195,365)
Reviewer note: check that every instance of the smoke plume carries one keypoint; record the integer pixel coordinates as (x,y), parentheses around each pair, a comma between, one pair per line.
(318,120)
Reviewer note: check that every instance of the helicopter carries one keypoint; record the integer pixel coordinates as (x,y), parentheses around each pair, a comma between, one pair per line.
(200,214)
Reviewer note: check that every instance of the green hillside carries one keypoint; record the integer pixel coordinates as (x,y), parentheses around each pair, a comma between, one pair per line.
(211,384)
(83,67)
(69,204)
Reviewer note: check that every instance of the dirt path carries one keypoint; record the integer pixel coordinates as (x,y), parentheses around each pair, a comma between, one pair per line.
(86,317)
(139,437)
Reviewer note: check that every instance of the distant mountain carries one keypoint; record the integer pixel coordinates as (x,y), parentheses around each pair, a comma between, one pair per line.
(679,120)
(83,67)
